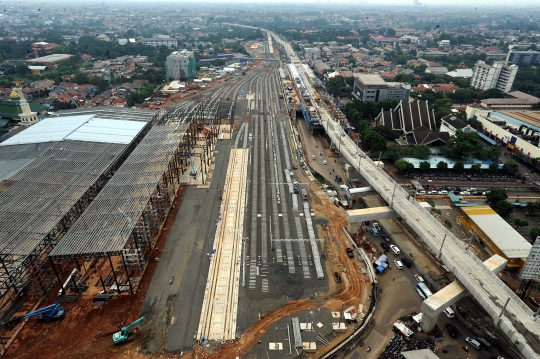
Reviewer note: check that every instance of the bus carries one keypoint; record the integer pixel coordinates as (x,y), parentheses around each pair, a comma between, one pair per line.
(423,291)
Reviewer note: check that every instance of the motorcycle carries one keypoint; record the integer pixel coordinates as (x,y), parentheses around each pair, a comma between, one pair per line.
(368,348)
(171,280)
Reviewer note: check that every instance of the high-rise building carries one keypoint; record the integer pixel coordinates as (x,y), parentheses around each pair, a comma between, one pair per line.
(529,57)
(181,65)
(500,76)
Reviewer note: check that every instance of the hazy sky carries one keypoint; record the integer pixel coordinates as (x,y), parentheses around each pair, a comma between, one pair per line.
(449,3)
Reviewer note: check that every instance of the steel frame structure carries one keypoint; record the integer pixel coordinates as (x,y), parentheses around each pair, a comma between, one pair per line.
(45,195)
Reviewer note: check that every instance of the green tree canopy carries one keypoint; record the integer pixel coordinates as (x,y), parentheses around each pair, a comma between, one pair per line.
(442,165)
(535,232)
(336,85)
(425,165)
(496,195)
(503,208)
(403,166)
(520,222)
(458,166)
(511,167)
(493,167)
(476,167)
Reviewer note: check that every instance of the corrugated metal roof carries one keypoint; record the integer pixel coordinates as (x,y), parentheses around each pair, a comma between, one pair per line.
(506,238)
(420,354)
(79,128)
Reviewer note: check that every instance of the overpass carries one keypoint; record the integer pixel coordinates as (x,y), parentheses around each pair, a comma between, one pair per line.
(508,311)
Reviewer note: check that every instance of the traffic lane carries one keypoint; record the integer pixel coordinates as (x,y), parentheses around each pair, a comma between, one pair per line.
(398,297)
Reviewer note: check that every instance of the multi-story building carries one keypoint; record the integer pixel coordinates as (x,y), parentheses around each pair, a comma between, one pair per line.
(373,88)
(529,57)
(160,40)
(181,65)
(500,76)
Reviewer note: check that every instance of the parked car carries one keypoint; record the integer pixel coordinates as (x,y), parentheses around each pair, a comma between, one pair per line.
(407,262)
(367,223)
(452,330)
(395,249)
(418,278)
(385,246)
(474,343)
(386,237)
(324,162)
(398,264)
(433,192)
(376,226)
(443,192)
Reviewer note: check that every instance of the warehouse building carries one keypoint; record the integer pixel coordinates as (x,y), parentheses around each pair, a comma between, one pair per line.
(373,88)
(496,235)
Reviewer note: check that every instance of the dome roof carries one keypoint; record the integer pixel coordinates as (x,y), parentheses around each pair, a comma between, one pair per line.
(14,95)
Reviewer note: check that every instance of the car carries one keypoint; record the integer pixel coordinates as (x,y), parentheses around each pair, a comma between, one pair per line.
(474,343)
(418,278)
(385,246)
(452,330)
(407,262)
(376,226)
(477,193)
(350,252)
(398,264)
(472,189)
(465,193)
(366,223)
(433,192)
(313,156)
(497,357)
(443,192)
(324,162)
(386,237)
(395,249)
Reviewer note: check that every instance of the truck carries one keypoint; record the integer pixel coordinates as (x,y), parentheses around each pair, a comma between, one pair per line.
(304,194)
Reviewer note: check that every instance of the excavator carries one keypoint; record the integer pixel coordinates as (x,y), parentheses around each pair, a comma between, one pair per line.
(47,314)
(123,334)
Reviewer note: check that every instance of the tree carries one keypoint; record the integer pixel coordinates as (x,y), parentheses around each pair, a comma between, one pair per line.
(511,167)
(401,166)
(493,167)
(496,195)
(503,208)
(336,85)
(378,144)
(425,165)
(520,222)
(534,233)
(476,167)
(421,151)
(458,166)
(442,165)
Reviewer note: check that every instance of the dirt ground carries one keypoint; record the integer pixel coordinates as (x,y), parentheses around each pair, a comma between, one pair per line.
(86,329)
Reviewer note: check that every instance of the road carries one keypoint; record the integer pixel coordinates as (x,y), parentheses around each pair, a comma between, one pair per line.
(517,319)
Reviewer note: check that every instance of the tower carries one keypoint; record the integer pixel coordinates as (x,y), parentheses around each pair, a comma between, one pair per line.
(26,116)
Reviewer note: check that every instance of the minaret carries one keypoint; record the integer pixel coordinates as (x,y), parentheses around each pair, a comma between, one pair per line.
(26,116)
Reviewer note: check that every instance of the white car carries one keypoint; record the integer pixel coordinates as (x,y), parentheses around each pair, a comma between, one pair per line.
(398,264)
(418,278)
(324,162)
(443,192)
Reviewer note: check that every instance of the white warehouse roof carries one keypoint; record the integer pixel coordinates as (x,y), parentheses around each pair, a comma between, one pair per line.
(87,128)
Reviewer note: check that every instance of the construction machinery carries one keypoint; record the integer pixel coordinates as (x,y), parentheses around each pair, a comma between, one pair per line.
(47,314)
(123,334)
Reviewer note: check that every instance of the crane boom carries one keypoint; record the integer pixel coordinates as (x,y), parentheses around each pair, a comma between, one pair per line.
(123,334)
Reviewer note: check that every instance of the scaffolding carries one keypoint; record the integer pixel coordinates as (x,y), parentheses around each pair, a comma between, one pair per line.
(45,189)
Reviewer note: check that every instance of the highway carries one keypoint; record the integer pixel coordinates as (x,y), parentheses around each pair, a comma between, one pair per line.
(517,320)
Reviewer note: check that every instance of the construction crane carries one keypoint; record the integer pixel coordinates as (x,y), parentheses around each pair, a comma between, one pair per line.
(46,314)
(123,334)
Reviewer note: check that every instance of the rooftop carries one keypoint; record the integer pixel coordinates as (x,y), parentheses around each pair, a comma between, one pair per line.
(370,79)
(420,354)
(50,58)
(506,238)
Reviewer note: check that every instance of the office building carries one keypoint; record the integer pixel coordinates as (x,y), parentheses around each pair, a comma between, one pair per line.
(373,88)
(529,57)
(181,65)
(500,76)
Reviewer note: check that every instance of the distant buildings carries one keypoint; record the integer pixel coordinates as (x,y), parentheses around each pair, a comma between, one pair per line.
(160,40)
(50,60)
(517,101)
(181,65)
(373,88)
(528,57)
(500,76)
